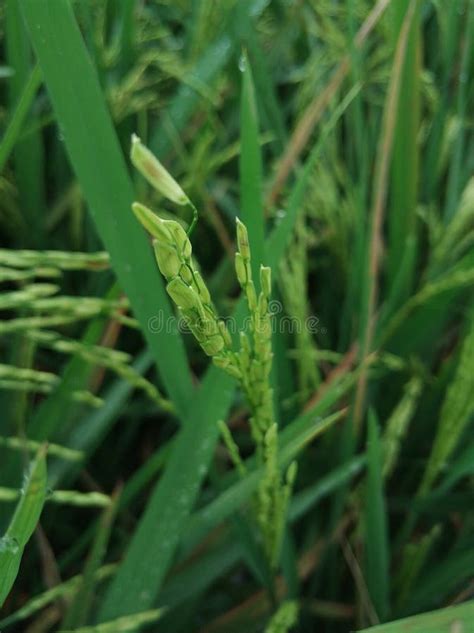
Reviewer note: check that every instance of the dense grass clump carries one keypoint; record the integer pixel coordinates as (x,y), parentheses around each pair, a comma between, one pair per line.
(260,419)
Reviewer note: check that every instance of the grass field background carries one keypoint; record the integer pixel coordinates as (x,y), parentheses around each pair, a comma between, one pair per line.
(341,133)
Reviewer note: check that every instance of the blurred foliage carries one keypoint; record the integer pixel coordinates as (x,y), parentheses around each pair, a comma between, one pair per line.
(366,215)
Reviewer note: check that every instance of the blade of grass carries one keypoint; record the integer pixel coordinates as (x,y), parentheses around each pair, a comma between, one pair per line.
(405,159)
(455,413)
(435,297)
(23,106)
(98,162)
(384,154)
(250,167)
(360,149)
(28,155)
(376,529)
(23,523)
(151,550)
(455,183)
(361,154)
(439,581)
(126,33)
(414,558)
(462,466)
(449,45)
(80,607)
(447,620)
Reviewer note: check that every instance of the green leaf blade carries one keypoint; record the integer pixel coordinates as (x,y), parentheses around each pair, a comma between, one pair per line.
(376,530)
(23,523)
(250,167)
(100,167)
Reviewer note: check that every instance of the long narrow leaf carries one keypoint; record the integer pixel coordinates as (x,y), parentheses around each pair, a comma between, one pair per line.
(456,411)
(376,532)
(151,551)
(405,162)
(23,523)
(24,103)
(28,152)
(99,165)
(251,202)
(448,620)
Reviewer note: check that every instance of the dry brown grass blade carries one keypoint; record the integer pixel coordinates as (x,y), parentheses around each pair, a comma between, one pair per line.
(49,567)
(220,228)
(345,366)
(109,340)
(383,159)
(467,593)
(317,107)
(45,622)
(359,581)
(331,610)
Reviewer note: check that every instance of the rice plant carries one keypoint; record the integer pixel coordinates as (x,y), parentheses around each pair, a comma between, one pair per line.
(237,355)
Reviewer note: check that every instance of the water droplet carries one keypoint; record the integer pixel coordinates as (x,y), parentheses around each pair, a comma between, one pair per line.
(457,627)
(145,596)
(242,63)
(9,544)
